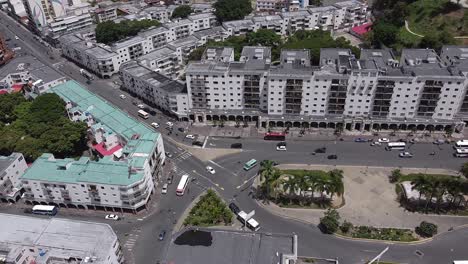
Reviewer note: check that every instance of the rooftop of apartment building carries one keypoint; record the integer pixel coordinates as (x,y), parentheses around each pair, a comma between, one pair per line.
(153,31)
(322,9)
(157,54)
(155,79)
(333,2)
(253,53)
(210,246)
(296,57)
(183,42)
(202,7)
(130,41)
(177,23)
(55,238)
(267,19)
(293,14)
(217,54)
(140,142)
(456,56)
(28,63)
(345,4)
(238,23)
(382,60)
(209,32)
(424,62)
(201,16)
(6,161)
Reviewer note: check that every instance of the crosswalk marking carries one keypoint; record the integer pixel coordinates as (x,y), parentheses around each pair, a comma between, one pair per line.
(183,156)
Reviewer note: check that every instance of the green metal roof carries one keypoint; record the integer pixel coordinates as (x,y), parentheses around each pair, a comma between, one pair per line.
(141,141)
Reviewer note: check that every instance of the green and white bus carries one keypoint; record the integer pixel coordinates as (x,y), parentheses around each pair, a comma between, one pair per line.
(250,164)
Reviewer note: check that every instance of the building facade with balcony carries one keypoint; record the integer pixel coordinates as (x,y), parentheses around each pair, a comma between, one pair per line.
(374,92)
(123,179)
(11,169)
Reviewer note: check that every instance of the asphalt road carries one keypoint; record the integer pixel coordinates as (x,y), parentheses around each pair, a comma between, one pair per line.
(233,183)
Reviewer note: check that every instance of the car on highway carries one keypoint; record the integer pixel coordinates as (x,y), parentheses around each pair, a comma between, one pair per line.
(234,208)
(162,235)
(141,106)
(405,154)
(190,137)
(360,140)
(210,169)
(168,154)
(169,124)
(321,150)
(281,148)
(383,140)
(236,145)
(155,125)
(122,96)
(112,217)
(164,188)
(332,156)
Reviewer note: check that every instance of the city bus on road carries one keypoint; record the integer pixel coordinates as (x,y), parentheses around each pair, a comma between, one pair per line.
(396,145)
(281,136)
(44,209)
(461,144)
(461,153)
(182,185)
(143,114)
(250,164)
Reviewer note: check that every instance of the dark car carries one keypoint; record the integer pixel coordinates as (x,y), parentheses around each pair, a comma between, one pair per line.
(169,155)
(332,157)
(360,140)
(27,211)
(234,208)
(181,129)
(169,179)
(236,145)
(149,111)
(197,143)
(321,150)
(162,235)
(282,143)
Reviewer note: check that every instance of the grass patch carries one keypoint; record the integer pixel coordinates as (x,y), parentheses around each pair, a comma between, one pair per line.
(209,211)
(303,173)
(390,234)
(413,176)
(407,39)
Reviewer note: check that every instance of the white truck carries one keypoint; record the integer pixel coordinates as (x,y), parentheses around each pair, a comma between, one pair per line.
(86,74)
(251,223)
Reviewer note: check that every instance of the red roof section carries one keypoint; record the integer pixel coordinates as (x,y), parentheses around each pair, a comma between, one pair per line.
(362,29)
(105,152)
(3,91)
(17,87)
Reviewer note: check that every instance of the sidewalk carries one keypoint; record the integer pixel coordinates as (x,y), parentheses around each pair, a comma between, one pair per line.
(370,200)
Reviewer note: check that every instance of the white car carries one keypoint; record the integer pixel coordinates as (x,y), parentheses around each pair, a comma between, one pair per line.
(169,124)
(210,169)
(155,125)
(384,140)
(405,154)
(112,217)
(122,96)
(376,143)
(190,136)
(141,106)
(281,148)
(164,189)
(16,37)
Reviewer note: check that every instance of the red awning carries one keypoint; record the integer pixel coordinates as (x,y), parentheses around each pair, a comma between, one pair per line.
(105,152)
(362,29)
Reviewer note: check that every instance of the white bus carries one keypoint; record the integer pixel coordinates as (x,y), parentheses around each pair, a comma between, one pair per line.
(396,145)
(143,114)
(461,144)
(461,153)
(44,209)
(460,262)
(182,185)
(251,223)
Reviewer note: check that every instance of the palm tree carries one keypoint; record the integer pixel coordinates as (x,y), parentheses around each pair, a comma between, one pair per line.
(290,186)
(322,185)
(268,174)
(421,184)
(336,180)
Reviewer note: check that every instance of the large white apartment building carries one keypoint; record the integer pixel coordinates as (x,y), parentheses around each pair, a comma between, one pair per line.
(11,168)
(155,89)
(123,179)
(42,12)
(375,91)
(25,239)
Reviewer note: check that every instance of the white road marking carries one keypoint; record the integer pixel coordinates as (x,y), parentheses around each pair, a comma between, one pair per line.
(206,140)
(206,178)
(246,181)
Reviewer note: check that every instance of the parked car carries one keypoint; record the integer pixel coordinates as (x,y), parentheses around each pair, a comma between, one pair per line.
(405,154)
(181,129)
(169,124)
(197,143)
(210,169)
(122,96)
(162,235)
(168,154)
(332,157)
(112,217)
(155,125)
(383,140)
(439,141)
(376,143)
(16,37)
(281,148)
(141,106)
(169,179)
(164,188)
(192,137)
(321,150)
(360,140)
(234,208)
(236,145)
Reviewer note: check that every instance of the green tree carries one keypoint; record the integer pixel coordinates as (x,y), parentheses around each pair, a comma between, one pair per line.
(210,210)
(196,54)
(395,175)
(384,33)
(8,102)
(182,11)
(426,229)
(109,32)
(464,169)
(263,37)
(227,10)
(336,182)
(346,227)
(330,222)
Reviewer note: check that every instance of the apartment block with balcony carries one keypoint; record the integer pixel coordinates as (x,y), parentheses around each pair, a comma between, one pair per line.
(105,14)
(11,169)
(180,28)
(155,89)
(163,60)
(123,180)
(350,14)
(202,21)
(183,47)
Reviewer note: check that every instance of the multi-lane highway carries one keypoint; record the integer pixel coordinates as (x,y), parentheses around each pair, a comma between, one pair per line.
(230,182)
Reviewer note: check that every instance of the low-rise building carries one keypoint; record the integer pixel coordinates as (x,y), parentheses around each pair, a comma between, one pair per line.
(183,47)
(11,168)
(105,14)
(25,239)
(214,34)
(123,179)
(155,89)
(202,21)
(239,27)
(163,60)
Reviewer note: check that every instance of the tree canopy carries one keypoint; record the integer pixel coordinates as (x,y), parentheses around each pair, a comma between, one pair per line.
(182,11)
(209,211)
(108,32)
(227,10)
(41,126)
